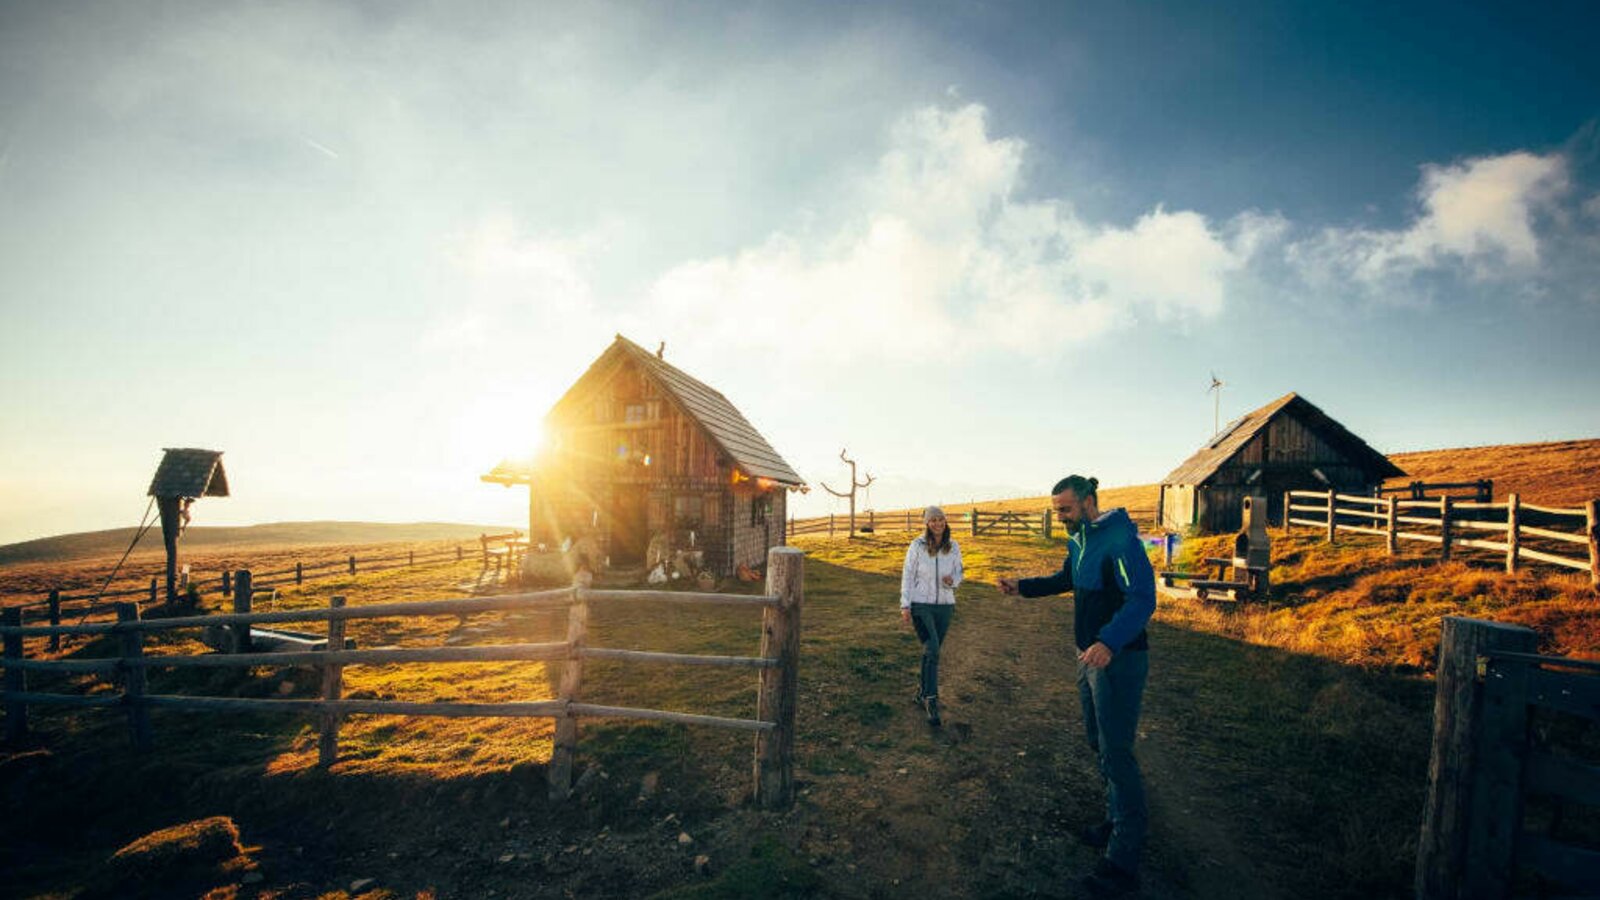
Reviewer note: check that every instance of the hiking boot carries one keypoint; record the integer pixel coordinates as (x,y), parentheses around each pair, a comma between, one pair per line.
(932,704)
(1110,880)
(1096,836)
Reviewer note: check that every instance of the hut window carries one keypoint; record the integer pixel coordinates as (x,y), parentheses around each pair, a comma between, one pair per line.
(634,412)
(760,509)
(713,508)
(687,509)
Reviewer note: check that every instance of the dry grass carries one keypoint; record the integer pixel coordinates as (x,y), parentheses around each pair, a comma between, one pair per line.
(1139,500)
(1352,603)
(1557,473)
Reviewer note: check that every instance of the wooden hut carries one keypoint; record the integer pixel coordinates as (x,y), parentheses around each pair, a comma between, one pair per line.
(638,451)
(1287,445)
(184,475)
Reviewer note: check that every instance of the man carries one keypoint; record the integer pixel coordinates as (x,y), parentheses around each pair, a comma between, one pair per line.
(1114,595)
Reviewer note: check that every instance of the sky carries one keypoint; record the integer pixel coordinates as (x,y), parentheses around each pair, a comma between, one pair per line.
(362,248)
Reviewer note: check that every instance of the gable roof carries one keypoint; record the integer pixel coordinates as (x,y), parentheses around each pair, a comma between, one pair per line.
(188,472)
(1236,434)
(728,428)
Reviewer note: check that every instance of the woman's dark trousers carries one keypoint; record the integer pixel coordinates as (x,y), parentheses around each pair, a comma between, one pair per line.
(931,620)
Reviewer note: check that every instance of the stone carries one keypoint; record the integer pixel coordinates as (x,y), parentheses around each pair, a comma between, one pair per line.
(683,839)
(702,865)
(361,884)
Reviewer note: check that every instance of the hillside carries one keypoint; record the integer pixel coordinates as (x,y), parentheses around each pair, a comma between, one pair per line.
(1560,473)
(114,541)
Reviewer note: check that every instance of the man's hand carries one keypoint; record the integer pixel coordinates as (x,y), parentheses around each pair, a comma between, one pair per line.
(1098,656)
(1008,586)
(905,616)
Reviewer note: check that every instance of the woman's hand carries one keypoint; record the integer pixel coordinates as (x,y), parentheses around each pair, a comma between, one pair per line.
(949,581)
(905,616)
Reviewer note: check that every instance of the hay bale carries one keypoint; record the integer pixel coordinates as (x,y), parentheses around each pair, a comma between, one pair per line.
(179,851)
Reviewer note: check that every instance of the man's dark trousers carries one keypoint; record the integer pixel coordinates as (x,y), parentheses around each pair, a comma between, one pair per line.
(1111,698)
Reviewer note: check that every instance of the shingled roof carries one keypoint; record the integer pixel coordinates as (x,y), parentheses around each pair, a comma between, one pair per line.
(187,472)
(731,431)
(1236,434)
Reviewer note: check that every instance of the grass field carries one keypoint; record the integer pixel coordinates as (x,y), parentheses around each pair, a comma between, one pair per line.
(1274,771)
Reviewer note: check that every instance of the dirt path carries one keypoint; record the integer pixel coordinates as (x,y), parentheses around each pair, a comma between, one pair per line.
(989,805)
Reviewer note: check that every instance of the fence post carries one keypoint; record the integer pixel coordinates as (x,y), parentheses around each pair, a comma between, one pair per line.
(872,520)
(1444,529)
(459,555)
(352,564)
(565,746)
(1333,527)
(1288,504)
(1391,539)
(242,592)
(152,590)
(830,524)
(1513,532)
(1047,524)
(227,582)
(332,687)
(1591,514)
(973,518)
(55,619)
(16,679)
(133,678)
(299,572)
(1443,851)
(780,685)
(411,557)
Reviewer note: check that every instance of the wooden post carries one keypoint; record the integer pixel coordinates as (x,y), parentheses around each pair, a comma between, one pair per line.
(1502,748)
(1047,524)
(153,588)
(16,679)
(830,524)
(227,583)
(352,564)
(566,740)
(973,518)
(133,678)
(1288,504)
(242,592)
(459,555)
(1333,526)
(411,557)
(1513,530)
(779,688)
(171,511)
(1443,851)
(1391,539)
(332,686)
(55,619)
(872,524)
(1591,512)
(1444,529)
(299,572)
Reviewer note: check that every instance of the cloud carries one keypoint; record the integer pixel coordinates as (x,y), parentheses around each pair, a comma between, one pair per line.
(936,253)
(1479,218)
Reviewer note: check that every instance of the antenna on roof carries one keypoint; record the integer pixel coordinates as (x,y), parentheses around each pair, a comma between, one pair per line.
(661,351)
(1216,408)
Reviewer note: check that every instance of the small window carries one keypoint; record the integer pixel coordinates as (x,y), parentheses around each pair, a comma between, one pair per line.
(634,412)
(687,510)
(760,510)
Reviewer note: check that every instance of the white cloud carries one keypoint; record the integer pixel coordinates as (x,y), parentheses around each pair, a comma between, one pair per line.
(936,254)
(1480,217)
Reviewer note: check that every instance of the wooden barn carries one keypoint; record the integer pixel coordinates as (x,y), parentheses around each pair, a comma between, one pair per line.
(1287,445)
(638,451)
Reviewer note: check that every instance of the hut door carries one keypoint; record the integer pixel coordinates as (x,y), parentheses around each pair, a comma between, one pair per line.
(630,529)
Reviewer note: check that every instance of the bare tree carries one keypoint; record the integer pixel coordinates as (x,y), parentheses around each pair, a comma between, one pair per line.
(852,492)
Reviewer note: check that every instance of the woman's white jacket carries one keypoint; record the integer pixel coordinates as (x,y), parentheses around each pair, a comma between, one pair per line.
(922,580)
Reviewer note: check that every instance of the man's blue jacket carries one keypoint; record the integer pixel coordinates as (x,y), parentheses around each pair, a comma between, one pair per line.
(1113,584)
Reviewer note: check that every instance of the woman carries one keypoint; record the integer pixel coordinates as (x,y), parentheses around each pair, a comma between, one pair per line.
(928,597)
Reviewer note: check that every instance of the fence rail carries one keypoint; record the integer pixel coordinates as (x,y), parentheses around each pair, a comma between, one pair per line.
(777,667)
(1506,519)
(978,522)
(1486,758)
(57,604)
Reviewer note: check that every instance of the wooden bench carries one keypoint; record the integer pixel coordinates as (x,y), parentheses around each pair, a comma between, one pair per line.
(1249,585)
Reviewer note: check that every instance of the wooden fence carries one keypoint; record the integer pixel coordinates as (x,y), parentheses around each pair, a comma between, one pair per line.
(1450,520)
(1482,489)
(63,602)
(978,522)
(1485,762)
(778,667)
